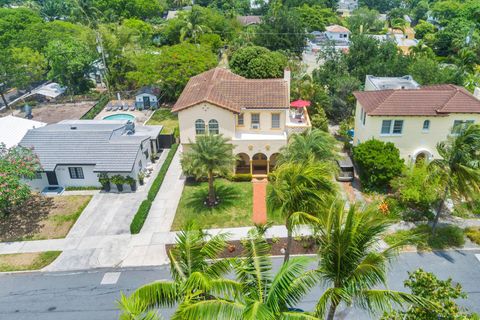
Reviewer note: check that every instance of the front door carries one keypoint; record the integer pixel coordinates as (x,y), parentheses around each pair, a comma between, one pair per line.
(52,178)
(146,102)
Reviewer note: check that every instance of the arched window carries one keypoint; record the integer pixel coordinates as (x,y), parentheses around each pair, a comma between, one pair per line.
(426,125)
(199,126)
(213,127)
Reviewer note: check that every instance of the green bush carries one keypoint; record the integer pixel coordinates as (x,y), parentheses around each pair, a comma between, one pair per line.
(140,216)
(82,188)
(378,163)
(96,109)
(473,234)
(240,177)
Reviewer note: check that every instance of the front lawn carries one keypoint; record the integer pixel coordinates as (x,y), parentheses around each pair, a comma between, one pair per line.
(421,237)
(27,261)
(234,210)
(43,218)
(166,118)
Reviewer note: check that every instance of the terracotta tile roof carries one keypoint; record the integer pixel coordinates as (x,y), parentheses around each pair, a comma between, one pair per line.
(233,92)
(437,100)
(336,28)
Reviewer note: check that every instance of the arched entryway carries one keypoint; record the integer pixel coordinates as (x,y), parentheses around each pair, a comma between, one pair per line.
(243,163)
(273,162)
(259,164)
(422,156)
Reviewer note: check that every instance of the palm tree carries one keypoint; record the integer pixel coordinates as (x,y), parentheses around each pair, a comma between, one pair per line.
(316,143)
(196,272)
(297,188)
(210,155)
(262,295)
(351,264)
(192,25)
(459,166)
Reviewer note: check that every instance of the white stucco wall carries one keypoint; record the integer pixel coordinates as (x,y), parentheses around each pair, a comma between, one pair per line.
(139,98)
(413,139)
(337,35)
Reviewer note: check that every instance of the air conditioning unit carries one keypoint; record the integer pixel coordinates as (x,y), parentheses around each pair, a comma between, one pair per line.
(255,126)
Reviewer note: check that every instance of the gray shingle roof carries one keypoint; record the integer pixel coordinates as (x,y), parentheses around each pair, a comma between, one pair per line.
(101,145)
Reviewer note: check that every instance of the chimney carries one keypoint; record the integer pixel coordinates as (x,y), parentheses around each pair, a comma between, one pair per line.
(286,77)
(476,93)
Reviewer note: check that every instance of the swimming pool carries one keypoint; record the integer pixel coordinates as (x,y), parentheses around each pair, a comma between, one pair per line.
(120,116)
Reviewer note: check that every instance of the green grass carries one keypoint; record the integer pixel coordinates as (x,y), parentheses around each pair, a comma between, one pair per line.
(166,118)
(234,210)
(142,212)
(421,237)
(473,234)
(60,219)
(12,262)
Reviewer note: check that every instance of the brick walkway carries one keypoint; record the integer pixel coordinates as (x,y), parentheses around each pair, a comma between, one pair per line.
(259,201)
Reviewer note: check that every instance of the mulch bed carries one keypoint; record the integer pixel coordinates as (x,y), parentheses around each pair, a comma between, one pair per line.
(303,246)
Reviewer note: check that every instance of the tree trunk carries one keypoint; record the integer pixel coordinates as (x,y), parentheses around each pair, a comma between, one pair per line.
(439,210)
(4,100)
(289,241)
(211,189)
(331,311)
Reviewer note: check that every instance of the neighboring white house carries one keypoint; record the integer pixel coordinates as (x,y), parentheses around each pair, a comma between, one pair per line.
(415,120)
(334,35)
(384,83)
(345,7)
(146,98)
(254,114)
(337,33)
(13,129)
(73,152)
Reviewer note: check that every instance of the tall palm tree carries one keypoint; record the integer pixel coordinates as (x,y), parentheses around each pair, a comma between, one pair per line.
(262,295)
(196,276)
(210,155)
(317,143)
(351,264)
(297,188)
(459,166)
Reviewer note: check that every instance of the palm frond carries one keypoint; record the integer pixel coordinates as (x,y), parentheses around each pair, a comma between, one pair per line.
(211,309)
(133,308)
(257,310)
(158,294)
(297,316)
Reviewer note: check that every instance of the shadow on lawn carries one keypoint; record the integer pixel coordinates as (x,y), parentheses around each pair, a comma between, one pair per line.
(226,195)
(25,220)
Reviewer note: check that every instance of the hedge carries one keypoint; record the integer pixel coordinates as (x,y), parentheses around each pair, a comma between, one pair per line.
(96,109)
(239,177)
(142,212)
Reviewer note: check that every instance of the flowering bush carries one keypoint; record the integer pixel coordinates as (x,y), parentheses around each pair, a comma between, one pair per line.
(15,163)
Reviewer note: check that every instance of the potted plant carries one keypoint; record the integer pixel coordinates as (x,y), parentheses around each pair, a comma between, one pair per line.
(141,177)
(132,182)
(153,157)
(104,181)
(118,180)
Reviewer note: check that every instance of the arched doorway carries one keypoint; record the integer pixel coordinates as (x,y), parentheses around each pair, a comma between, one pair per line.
(243,163)
(259,164)
(273,161)
(422,156)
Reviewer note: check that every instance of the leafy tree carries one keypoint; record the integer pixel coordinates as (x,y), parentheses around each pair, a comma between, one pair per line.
(297,189)
(446,10)
(196,271)
(14,21)
(364,20)
(258,63)
(316,18)
(351,265)
(261,294)
(458,166)
(378,162)
(343,101)
(426,71)
(54,9)
(16,163)
(420,11)
(442,292)
(381,5)
(423,28)
(320,120)
(210,155)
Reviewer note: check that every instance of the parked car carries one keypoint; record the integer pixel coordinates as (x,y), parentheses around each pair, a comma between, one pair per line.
(346,171)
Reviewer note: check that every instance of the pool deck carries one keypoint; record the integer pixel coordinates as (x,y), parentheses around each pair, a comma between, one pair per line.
(140,116)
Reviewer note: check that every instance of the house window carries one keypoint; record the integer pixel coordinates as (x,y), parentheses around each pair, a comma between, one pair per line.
(459,124)
(426,125)
(213,127)
(199,126)
(255,120)
(240,120)
(275,120)
(76,172)
(392,127)
(363,116)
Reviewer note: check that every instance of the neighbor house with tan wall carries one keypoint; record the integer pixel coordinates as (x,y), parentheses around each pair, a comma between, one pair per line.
(254,114)
(415,120)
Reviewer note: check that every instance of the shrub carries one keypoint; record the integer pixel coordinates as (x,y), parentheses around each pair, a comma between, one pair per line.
(140,216)
(82,188)
(473,234)
(378,163)
(445,237)
(240,177)
(95,110)
(157,183)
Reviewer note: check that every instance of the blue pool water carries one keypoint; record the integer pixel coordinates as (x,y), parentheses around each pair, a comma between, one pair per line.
(120,116)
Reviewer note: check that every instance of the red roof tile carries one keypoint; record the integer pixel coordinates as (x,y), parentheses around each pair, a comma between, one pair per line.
(437,100)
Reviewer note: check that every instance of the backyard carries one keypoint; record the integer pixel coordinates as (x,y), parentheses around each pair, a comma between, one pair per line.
(43,218)
(166,118)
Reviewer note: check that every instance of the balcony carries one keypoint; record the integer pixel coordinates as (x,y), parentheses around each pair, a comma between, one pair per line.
(298,121)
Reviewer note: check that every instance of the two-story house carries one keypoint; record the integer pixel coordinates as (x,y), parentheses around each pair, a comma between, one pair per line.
(254,114)
(415,120)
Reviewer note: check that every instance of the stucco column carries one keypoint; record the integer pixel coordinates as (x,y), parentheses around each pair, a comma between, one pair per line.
(251,166)
(268,166)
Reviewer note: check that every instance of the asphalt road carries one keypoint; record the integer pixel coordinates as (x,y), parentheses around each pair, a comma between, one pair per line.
(91,295)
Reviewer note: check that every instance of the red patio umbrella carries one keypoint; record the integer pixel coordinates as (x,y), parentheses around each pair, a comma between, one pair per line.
(300,103)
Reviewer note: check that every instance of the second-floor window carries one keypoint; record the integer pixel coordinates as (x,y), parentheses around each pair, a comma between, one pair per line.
(426,125)
(213,127)
(255,121)
(76,172)
(275,120)
(240,120)
(199,126)
(459,124)
(392,127)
